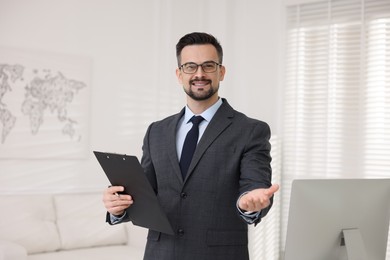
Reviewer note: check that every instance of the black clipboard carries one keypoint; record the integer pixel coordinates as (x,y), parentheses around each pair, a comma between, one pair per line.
(126,171)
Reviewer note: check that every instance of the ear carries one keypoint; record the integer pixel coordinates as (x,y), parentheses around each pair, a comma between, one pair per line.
(222,71)
(179,76)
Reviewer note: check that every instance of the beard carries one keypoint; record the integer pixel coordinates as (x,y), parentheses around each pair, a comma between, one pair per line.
(203,95)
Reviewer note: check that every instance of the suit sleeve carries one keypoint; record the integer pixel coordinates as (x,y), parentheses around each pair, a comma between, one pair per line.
(146,160)
(256,163)
(112,220)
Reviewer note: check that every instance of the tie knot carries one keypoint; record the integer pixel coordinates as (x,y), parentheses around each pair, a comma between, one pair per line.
(196,120)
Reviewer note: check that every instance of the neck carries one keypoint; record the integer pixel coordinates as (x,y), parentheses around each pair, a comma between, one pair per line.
(198,107)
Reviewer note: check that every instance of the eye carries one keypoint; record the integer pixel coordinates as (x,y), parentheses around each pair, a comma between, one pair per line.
(208,65)
(191,66)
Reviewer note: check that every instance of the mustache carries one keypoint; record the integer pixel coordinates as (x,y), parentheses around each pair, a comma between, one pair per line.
(200,79)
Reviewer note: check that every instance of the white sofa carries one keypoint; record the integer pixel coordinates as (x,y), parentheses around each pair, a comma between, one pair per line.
(64,226)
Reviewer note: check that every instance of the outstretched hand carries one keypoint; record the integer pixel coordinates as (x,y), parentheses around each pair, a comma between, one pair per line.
(257,199)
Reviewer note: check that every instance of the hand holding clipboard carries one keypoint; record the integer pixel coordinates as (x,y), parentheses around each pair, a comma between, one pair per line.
(126,171)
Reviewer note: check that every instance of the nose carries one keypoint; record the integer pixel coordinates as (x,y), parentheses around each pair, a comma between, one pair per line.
(199,71)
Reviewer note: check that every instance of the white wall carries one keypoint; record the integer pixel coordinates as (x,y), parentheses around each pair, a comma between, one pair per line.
(132,48)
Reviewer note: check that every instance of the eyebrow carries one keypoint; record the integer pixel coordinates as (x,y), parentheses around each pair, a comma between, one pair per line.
(200,63)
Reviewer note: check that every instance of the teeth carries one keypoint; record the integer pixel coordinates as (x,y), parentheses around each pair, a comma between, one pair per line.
(200,84)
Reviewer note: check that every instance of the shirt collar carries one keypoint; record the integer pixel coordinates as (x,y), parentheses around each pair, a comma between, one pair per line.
(207,114)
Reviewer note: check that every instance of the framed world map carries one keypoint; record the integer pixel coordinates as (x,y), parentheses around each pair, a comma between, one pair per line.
(44,104)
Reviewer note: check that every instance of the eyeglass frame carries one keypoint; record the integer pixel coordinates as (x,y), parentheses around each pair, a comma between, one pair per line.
(181,67)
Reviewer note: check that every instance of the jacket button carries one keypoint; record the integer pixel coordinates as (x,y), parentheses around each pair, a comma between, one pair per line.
(183,195)
(180,232)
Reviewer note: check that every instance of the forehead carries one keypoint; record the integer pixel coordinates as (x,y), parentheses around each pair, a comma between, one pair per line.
(199,53)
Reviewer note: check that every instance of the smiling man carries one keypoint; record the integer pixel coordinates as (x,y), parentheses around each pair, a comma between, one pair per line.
(209,166)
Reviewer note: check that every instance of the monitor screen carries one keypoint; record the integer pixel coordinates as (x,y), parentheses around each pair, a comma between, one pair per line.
(338,219)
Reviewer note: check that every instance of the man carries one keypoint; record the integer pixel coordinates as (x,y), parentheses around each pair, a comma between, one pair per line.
(228,181)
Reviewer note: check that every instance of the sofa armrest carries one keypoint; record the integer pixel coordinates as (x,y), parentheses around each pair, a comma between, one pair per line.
(136,235)
(12,251)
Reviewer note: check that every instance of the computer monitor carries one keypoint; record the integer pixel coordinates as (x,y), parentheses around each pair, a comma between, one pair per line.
(338,219)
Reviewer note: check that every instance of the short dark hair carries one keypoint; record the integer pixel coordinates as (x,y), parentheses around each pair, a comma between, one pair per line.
(198,38)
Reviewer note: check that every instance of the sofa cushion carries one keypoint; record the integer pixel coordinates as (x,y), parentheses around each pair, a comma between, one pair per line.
(81,222)
(12,251)
(95,253)
(29,220)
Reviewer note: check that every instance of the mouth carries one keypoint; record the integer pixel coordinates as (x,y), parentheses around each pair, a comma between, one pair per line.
(200,83)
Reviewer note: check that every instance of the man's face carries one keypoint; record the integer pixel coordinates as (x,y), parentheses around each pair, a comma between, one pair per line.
(200,85)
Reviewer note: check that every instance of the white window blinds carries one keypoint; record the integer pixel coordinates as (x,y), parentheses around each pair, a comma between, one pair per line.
(337,94)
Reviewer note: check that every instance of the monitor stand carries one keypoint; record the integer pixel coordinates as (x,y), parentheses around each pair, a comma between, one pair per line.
(353,241)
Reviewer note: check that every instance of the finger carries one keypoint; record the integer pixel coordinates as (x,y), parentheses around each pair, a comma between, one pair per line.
(120,203)
(271,190)
(262,202)
(112,200)
(120,197)
(249,206)
(117,210)
(117,206)
(115,189)
(244,203)
(256,203)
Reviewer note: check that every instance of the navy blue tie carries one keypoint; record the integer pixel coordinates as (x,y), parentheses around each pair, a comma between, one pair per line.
(189,145)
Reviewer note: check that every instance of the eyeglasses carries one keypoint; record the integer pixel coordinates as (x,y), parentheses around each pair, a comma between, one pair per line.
(207,67)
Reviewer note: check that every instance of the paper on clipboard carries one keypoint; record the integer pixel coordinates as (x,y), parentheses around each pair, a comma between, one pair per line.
(126,171)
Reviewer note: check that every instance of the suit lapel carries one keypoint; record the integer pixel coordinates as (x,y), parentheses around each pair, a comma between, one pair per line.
(221,120)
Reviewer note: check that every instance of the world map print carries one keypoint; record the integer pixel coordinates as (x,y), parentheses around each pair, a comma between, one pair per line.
(42,103)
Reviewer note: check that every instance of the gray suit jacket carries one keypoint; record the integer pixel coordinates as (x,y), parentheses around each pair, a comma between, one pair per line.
(232,157)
